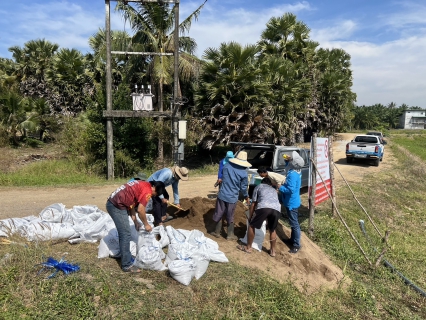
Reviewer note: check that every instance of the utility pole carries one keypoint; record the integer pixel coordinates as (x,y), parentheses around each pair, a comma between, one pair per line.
(110,148)
(176,86)
(109,113)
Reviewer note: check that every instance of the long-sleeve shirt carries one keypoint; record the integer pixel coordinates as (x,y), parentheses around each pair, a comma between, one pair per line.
(291,190)
(166,176)
(220,172)
(234,180)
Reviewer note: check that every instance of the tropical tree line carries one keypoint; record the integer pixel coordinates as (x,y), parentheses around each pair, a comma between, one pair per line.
(278,90)
(378,116)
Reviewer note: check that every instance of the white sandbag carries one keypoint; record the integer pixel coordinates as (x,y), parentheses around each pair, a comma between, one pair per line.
(196,238)
(55,213)
(94,231)
(109,245)
(149,257)
(182,270)
(11,225)
(259,236)
(145,238)
(175,236)
(214,253)
(202,260)
(162,233)
(180,251)
(42,231)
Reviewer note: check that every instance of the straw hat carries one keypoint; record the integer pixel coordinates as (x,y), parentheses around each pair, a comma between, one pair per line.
(241,159)
(182,172)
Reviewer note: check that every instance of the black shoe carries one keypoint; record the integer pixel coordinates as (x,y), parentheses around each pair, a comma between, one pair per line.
(294,250)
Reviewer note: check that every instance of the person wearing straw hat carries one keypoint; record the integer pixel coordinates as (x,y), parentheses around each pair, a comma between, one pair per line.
(234,180)
(290,195)
(169,176)
(222,163)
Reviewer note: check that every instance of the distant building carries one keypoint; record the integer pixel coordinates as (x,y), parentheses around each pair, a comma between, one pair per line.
(413,119)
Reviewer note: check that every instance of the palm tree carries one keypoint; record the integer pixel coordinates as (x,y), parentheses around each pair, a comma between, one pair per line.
(232,97)
(32,61)
(153,27)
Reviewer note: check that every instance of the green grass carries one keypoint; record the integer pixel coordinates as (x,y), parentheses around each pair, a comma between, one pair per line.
(49,173)
(415,143)
(393,198)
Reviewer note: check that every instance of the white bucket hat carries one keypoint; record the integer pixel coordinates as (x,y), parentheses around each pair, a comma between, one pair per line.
(241,159)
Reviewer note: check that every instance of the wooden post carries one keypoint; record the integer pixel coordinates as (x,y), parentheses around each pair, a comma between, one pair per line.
(110,148)
(313,157)
(331,164)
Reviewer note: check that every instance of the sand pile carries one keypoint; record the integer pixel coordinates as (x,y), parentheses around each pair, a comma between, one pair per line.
(310,269)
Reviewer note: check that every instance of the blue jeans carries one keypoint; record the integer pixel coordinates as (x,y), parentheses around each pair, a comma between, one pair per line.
(121,221)
(293,217)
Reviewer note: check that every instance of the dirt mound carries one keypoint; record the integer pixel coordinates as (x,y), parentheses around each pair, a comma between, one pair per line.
(310,269)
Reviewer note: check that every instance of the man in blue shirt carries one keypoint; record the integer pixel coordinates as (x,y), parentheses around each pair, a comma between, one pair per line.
(169,176)
(234,180)
(290,195)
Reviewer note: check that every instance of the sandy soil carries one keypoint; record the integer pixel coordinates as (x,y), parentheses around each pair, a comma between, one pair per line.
(310,268)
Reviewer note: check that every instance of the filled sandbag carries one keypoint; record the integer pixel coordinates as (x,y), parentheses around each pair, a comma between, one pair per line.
(149,257)
(42,231)
(109,245)
(259,236)
(55,213)
(11,225)
(160,232)
(175,236)
(182,270)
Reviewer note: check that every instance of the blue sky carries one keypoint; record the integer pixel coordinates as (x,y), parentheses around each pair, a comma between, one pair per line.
(386,39)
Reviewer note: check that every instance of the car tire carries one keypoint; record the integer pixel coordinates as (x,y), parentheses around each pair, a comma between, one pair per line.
(377,162)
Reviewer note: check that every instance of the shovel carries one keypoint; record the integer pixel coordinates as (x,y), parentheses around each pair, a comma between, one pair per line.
(179,208)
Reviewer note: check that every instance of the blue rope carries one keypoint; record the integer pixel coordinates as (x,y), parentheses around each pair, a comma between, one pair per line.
(61,265)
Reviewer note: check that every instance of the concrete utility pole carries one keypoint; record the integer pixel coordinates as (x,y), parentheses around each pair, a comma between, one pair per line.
(176,86)
(109,113)
(110,148)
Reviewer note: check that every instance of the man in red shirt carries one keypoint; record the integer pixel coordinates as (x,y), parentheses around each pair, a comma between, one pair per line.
(123,203)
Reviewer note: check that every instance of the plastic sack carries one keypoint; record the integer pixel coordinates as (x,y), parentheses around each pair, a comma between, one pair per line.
(109,245)
(145,238)
(214,253)
(55,213)
(162,233)
(196,238)
(182,270)
(202,260)
(94,231)
(175,236)
(259,236)
(11,225)
(42,231)
(149,257)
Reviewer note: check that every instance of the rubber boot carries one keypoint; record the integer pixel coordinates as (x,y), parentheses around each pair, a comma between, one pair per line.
(231,235)
(217,230)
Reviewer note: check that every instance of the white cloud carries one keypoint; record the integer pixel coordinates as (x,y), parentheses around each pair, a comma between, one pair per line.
(389,72)
(61,22)
(216,25)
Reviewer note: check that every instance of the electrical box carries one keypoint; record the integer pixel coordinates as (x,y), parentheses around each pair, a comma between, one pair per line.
(182,130)
(181,151)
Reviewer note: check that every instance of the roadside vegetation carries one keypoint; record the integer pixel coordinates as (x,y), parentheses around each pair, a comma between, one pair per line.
(394,200)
